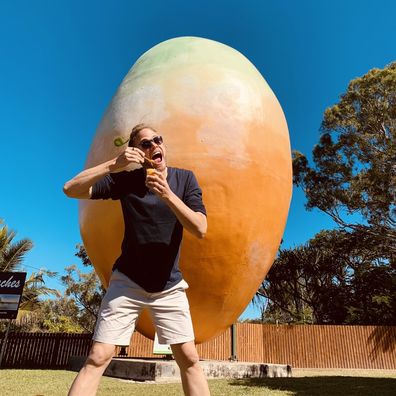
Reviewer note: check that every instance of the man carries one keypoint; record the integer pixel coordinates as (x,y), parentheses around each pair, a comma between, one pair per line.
(156,206)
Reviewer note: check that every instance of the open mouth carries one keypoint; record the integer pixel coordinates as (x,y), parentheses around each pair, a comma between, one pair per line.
(157,157)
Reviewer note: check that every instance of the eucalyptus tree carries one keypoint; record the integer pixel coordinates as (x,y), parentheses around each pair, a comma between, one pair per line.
(346,275)
(337,277)
(354,170)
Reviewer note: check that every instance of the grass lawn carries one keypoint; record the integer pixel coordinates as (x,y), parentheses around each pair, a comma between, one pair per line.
(304,383)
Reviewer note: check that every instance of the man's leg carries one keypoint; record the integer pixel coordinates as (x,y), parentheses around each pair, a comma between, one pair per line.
(87,381)
(192,376)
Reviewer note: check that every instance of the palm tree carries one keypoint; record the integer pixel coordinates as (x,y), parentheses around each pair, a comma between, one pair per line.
(12,253)
(33,290)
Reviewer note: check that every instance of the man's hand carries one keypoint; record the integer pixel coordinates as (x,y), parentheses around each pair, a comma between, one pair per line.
(157,183)
(81,185)
(131,155)
(194,222)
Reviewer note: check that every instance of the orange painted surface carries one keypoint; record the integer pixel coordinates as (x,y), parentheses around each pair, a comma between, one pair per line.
(220,119)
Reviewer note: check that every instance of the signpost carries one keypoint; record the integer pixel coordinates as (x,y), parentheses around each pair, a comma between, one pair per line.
(11,288)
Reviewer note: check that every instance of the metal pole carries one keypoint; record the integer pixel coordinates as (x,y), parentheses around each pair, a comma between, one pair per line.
(4,341)
(233,343)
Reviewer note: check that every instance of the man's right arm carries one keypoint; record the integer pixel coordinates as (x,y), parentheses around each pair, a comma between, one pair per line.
(80,186)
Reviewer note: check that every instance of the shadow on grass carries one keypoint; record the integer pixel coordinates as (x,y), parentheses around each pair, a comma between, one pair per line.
(325,386)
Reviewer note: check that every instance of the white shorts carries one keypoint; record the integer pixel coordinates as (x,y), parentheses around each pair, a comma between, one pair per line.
(123,302)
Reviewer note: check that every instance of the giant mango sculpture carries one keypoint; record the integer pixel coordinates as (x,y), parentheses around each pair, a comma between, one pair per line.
(220,119)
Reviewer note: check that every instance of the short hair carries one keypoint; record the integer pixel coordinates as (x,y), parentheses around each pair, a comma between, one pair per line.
(136,130)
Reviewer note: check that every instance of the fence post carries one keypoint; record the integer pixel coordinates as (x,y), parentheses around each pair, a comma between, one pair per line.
(55,352)
(233,343)
(3,344)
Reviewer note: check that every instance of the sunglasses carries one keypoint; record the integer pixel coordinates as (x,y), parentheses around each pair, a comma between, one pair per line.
(146,144)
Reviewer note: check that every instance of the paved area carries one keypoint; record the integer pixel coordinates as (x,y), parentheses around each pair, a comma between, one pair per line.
(167,370)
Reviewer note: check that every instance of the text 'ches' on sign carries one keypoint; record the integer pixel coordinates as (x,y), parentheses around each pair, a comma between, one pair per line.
(11,288)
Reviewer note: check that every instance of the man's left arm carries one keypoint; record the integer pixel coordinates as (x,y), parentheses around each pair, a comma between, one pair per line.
(193,221)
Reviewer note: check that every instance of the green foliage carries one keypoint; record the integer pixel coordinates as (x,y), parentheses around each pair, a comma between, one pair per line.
(86,291)
(355,160)
(75,312)
(12,253)
(61,315)
(35,290)
(346,275)
(83,256)
(53,315)
(335,278)
(62,324)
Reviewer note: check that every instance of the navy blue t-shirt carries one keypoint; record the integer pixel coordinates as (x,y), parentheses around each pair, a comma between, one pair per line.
(151,246)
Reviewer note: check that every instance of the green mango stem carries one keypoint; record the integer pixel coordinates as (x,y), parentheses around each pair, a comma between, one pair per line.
(118,142)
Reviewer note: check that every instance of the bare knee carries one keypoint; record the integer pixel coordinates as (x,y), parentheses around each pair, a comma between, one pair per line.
(191,359)
(186,355)
(100,355)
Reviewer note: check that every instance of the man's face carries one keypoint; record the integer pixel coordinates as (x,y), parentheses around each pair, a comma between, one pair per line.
(156,151)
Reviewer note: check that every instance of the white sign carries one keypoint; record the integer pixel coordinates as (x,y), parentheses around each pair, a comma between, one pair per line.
(161,349)
(11,288)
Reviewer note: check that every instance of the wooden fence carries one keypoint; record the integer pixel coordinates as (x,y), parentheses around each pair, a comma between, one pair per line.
(314,346)
(302,346)
(43,350)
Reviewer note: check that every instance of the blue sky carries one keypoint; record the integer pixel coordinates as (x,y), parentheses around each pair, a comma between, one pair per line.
(62,61)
